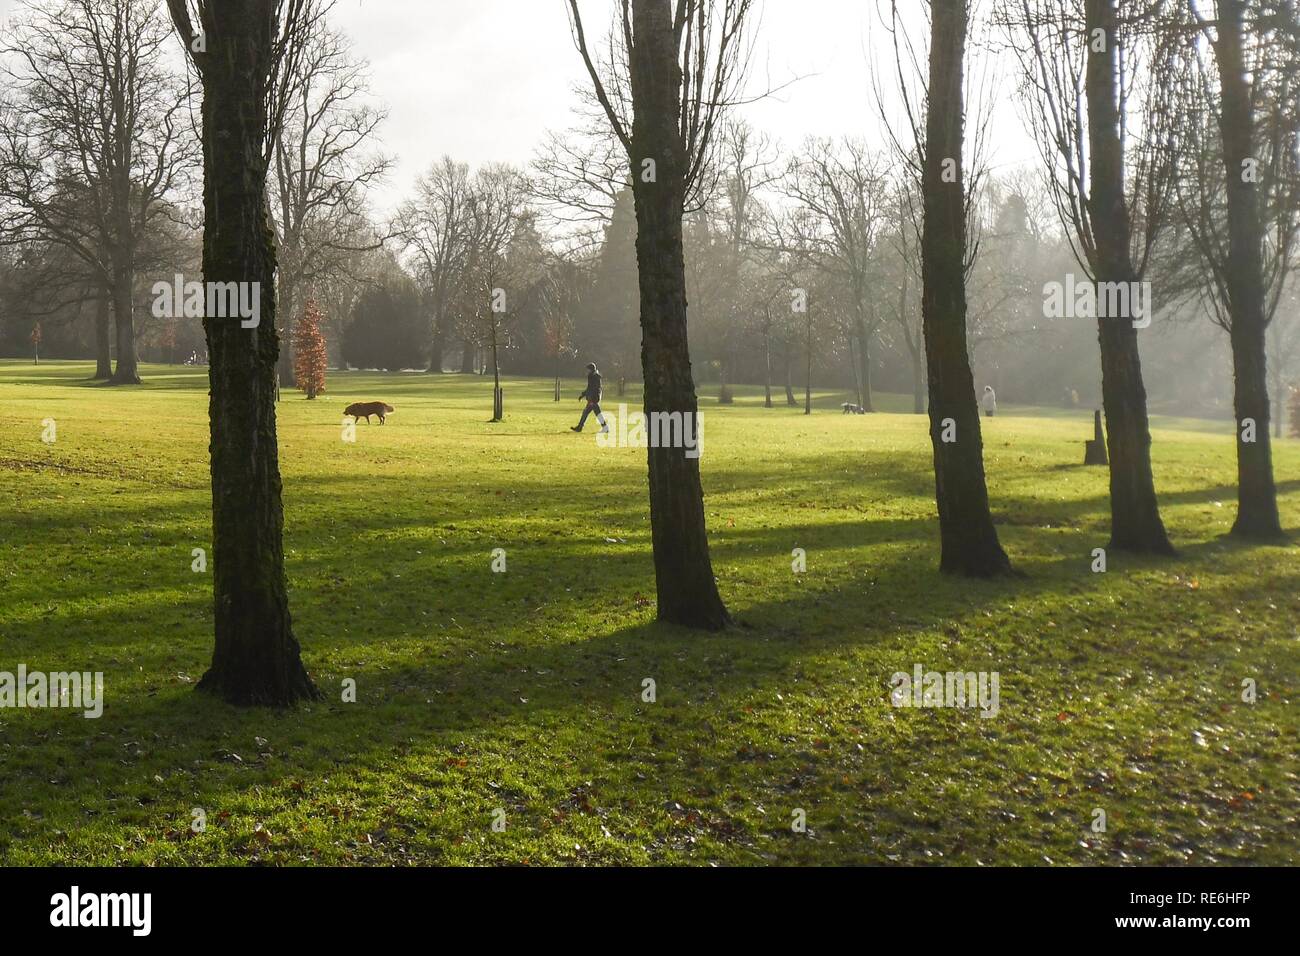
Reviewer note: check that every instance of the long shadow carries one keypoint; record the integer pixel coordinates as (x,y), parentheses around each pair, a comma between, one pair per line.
(893,609)
(480,686)
(512,520)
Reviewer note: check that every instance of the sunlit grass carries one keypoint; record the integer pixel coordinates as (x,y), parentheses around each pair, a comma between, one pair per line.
(523,691)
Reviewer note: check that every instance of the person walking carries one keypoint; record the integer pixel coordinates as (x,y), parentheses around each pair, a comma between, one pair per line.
(591,394)
(989,401)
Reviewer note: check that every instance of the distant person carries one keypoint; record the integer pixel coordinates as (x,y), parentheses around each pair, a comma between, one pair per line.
(989,401)
(591,394)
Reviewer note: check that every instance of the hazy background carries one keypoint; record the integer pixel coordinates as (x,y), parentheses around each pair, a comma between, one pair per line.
(484,80)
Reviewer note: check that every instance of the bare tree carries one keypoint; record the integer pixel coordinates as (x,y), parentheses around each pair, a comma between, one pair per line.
(904,268)
(969,540)
(494,212)
(747,161)
(360,252)
(1240,205)
(576,176)
(1283,353)
(685,66)
(810,319)
(846,189)
(245,54)
(560,291)
(434,228)
(1080,61)
(91,143)
(323,168)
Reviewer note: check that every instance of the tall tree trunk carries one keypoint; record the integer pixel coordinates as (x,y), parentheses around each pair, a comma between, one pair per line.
(913,347)
(790,400)
(467,359)
(436,345)
(918,382)
(1135,523)
(256,660)
(686,589)
(103,346)
(969,541)
(496,374)
(1257,515)
(287,308)
(807,381)
(855,369)
(767,365)
(864,365)
(128,364)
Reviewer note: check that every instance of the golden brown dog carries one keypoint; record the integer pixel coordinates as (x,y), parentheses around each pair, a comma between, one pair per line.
(366,409)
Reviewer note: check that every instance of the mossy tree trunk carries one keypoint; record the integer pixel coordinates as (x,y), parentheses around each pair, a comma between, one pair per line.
(1257,514)
(969,542)
(686,589)
(256,659)
(103,341)
(1135,523)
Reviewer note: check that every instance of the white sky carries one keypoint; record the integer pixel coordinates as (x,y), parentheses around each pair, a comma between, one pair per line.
(484,80)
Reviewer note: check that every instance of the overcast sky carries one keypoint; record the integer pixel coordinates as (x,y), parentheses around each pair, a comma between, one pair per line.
(484,80)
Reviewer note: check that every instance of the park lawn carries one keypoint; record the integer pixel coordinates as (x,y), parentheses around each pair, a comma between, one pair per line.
(522,691)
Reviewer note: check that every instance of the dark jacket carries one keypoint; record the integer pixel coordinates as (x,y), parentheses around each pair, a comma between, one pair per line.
(592,394)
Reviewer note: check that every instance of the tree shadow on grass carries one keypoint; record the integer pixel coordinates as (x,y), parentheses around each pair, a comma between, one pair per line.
(428,698)
(444,651)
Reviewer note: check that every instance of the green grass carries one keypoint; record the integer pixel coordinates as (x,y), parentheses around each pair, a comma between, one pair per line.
(522,691)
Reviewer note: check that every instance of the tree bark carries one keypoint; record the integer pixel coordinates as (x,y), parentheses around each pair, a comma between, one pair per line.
(686,589)
(807,382)
(496,375)
(864,366)
(1257,514)
(436,347)
(969,541)
(103,346)
(256,660)
(1135,523)
(287,308)
(790,400)
(918,383)
(767,366)
(128,364)
(855,369)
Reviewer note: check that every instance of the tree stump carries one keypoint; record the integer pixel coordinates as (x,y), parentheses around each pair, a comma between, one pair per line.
(1095,447)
